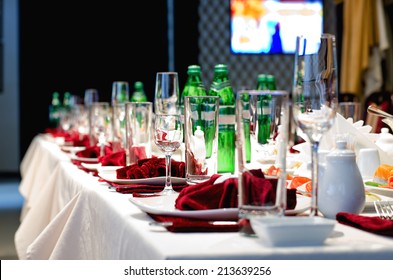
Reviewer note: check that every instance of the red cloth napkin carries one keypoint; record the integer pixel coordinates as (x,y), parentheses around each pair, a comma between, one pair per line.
(93,152)
(151,167)
(208,195)
(180,224)
(113,159)
(77,141)
(371,224)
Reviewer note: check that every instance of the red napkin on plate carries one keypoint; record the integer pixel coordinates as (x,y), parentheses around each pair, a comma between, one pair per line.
(93,152)
(208,195)
(180,224)
(113,159)
(151,167)
(371,224)
(78,141)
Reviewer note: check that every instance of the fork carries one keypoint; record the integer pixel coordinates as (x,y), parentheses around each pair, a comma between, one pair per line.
(384,209)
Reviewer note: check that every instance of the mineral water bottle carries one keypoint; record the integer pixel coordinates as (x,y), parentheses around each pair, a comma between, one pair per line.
(194,87)
(222,87)
(55,110)
(264,118)
(139,93)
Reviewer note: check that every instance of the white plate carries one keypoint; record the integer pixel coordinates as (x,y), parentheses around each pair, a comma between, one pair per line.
(379,190)
(91,166)
(371,197)
(108,168)
(293,231)
(165,205)
(84,159)
(72,149)
(111,177)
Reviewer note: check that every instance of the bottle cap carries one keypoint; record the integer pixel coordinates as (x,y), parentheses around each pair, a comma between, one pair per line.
(138,85)
(194,69)
(220,68)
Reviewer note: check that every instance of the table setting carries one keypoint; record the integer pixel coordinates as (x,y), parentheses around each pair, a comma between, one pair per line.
(167,200)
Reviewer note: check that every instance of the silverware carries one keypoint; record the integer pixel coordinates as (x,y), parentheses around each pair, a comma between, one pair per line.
(384,209)
(378,112)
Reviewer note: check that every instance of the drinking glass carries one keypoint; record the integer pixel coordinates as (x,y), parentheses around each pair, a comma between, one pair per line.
(120,92)
(139,118)
(101,124)
(315,95)
(118,127)
(166,93)
(250,120)
(90,96)
(168,136)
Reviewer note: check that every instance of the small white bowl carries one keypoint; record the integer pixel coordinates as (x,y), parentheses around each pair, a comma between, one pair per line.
(292,231)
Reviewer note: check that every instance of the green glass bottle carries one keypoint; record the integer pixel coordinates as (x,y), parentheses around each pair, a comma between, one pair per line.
(222,87)
(55,110)
(246,125)
(139,93)
(67,101)
(263,106)
(194,87)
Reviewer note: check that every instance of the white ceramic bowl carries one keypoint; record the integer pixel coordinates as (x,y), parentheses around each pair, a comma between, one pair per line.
(293,231)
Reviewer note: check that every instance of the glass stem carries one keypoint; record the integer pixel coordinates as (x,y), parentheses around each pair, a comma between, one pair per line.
(168,181)
(314,178)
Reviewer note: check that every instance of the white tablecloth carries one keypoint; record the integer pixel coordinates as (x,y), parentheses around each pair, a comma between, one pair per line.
(69,214)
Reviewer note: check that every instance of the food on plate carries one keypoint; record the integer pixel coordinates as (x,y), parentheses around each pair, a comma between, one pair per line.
(383,177)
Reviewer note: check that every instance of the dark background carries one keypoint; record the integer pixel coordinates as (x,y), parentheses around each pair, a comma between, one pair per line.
(72,45)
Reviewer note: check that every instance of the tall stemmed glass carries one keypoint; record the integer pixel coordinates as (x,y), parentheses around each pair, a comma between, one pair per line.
(315,95)
(166,93)
(168,136)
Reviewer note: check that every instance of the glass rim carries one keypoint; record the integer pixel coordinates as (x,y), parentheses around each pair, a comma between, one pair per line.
(264,92)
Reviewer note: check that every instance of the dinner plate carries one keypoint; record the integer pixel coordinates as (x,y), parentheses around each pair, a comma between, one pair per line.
(108,168)
(111,177)
(84,159)
(91,166)
(72,149)
(165,205)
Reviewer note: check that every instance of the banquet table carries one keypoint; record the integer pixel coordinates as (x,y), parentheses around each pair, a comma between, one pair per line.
(69,214)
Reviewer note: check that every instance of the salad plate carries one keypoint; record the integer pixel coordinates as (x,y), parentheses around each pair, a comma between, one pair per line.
(165,205)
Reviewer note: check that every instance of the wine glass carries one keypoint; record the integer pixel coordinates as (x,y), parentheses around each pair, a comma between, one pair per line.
(315,95)
(168,136)
(166,93)
(101,113)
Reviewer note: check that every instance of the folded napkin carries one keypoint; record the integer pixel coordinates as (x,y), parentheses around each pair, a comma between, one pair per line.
(207,195)
(55,132)
(93,152)
(77,141)
(180,224)
(113,159)
(151,167)
(371,224)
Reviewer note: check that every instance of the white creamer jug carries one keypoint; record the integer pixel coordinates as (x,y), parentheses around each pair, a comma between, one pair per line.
(341,187)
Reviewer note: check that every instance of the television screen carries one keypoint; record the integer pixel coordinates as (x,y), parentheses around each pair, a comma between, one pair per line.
(271,27)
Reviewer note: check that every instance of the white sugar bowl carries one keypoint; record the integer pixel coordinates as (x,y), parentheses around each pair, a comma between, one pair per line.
(341,187)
